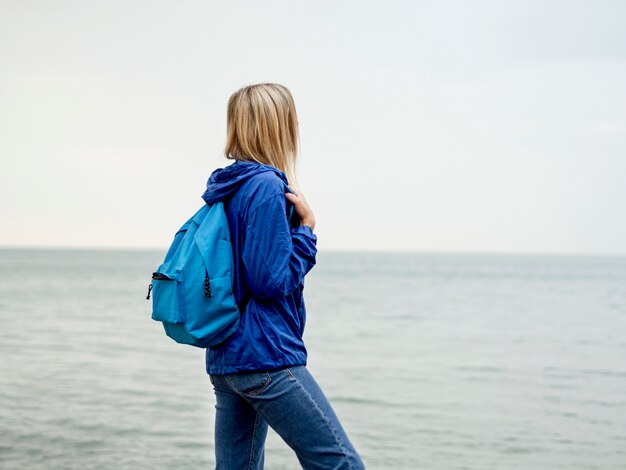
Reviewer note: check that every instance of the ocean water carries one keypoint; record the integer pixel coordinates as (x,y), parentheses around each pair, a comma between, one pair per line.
(432,361)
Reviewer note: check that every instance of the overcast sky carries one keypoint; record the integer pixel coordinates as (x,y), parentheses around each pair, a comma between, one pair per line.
(484,126)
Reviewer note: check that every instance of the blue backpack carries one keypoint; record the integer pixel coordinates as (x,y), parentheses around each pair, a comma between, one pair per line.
(192,290)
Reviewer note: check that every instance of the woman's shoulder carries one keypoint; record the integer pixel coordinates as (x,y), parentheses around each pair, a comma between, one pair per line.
(263,187)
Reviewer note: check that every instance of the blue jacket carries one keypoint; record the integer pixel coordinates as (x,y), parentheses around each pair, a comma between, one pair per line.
(272,255)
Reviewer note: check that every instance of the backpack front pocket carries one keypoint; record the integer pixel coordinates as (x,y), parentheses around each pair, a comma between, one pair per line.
(167,301)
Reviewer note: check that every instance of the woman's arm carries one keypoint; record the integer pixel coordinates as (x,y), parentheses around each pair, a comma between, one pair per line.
(276,258)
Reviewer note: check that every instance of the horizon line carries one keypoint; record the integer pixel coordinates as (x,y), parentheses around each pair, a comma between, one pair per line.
(325,250)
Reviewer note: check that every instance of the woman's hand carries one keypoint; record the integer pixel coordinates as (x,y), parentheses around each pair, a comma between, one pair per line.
(302,208)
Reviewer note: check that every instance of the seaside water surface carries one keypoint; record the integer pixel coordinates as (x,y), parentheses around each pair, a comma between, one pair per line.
(432,361)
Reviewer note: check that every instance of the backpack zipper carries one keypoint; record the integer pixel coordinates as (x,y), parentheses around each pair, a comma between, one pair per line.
(207,286)
(158,276)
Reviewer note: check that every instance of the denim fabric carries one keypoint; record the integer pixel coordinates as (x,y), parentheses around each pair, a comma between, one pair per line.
(292,403)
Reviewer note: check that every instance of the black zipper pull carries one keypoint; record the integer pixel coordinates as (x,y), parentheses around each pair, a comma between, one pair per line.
(149,290)
(207,287)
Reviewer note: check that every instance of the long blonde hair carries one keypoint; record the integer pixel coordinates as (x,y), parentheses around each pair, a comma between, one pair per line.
(263,127)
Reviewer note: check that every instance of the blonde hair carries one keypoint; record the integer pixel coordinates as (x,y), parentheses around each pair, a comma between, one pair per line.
(262,126)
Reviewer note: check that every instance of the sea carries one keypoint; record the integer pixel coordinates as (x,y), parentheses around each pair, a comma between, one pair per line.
(431,361)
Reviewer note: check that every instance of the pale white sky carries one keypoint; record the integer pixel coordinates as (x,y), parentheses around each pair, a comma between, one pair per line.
(426,125)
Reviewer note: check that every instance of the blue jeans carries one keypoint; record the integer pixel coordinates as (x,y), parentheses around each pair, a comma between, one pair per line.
(292,403)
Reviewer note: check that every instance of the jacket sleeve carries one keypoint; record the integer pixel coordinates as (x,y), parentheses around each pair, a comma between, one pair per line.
(276,257)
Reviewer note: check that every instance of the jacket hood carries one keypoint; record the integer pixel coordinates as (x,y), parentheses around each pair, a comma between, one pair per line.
(224,182)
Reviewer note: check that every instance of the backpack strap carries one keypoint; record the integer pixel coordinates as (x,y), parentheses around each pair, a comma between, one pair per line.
(292,212)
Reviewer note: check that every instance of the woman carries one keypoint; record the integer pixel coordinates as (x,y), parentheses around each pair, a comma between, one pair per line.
(259,374)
